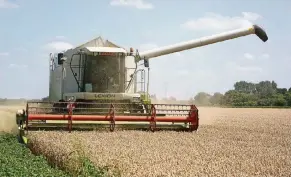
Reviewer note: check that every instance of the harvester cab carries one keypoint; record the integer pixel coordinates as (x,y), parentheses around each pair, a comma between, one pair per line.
(102,82)
(98,75)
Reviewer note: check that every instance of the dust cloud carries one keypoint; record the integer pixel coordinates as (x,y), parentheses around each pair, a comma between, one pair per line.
(7,119)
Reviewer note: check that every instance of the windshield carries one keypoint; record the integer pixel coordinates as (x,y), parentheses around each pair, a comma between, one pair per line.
(105,74)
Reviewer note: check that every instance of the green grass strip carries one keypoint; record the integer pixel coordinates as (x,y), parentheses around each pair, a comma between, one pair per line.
(17,160)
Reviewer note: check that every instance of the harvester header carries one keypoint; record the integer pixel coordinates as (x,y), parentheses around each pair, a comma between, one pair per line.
(101,82)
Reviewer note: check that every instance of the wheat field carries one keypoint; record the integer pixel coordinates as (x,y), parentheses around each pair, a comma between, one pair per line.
(229,142)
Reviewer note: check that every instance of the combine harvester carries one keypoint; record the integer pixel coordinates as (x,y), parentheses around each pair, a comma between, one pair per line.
(98,82)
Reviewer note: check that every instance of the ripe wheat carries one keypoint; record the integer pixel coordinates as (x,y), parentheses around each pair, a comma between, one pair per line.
(237,142)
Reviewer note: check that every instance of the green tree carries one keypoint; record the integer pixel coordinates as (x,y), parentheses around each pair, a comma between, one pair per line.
(236,98)
(202,98)
(264,93)
(266,89)
(264,102)
(279,100)
(216,99)
(287,97)
(245,87)
(282,90)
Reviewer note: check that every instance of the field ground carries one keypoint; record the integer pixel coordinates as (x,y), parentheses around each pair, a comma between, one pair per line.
(229,142)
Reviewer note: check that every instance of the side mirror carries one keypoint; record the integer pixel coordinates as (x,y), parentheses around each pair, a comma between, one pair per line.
(60,56)
(146,63)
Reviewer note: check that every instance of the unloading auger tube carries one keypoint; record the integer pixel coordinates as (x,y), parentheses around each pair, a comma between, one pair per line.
(178,47)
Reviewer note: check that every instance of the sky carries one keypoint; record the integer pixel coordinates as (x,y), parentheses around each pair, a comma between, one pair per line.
(31,29)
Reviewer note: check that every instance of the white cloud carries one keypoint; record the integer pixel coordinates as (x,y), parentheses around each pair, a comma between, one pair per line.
(4,54)
(250,68)
(7,5)
(58,46)
(248,56)
(17,66)
(266,55)
(218,22)
(251,57)
(234,66)
(139,4)
(251,16)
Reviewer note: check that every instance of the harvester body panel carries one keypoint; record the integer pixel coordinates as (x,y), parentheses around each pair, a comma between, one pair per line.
(103,96)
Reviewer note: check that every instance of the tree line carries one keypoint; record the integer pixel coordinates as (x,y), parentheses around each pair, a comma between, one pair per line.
(244,94)
(247,94)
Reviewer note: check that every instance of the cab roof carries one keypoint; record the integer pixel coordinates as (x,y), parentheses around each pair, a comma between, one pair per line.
(106,49)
